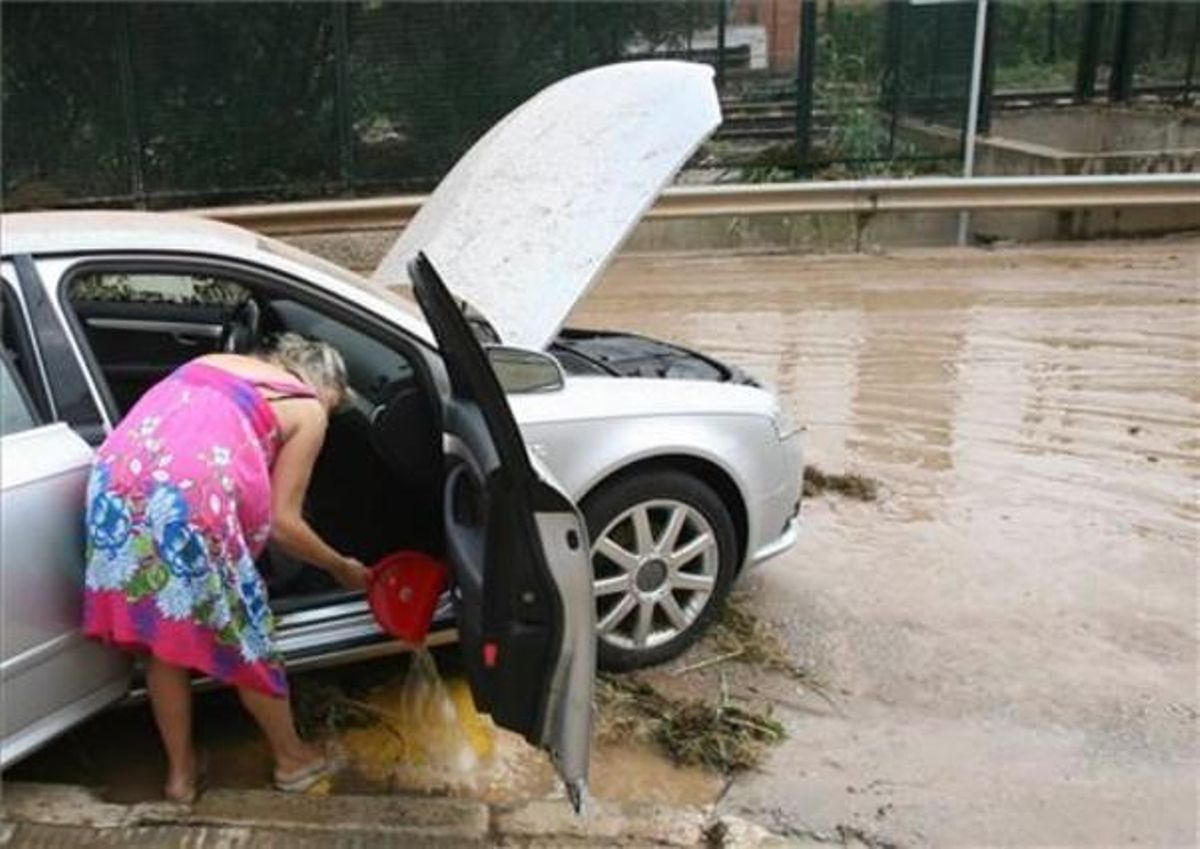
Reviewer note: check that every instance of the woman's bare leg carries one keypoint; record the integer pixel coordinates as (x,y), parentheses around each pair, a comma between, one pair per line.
(274,717)
(170,690)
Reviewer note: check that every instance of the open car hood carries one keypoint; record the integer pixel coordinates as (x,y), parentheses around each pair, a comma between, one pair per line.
(530,216)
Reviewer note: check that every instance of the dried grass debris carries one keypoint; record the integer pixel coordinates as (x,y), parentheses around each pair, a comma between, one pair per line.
(849,485)
(718,735)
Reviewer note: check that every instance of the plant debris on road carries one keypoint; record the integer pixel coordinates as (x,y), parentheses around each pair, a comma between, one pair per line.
(719,735)
(849,484)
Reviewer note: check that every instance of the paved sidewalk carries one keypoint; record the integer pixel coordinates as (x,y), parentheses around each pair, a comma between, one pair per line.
(54,815)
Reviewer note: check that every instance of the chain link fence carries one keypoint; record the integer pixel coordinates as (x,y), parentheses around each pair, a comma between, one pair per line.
(170,104)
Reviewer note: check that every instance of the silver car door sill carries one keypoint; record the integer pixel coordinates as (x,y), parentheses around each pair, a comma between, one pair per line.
(20,743)
(40,654)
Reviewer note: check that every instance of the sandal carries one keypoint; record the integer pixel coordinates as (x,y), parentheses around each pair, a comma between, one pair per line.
(305,777)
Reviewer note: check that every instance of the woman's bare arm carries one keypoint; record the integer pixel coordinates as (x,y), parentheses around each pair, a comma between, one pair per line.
(289,483)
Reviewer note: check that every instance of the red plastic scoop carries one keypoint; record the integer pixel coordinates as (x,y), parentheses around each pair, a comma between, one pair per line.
(403,591)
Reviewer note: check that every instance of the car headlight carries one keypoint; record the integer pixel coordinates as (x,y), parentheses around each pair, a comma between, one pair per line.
(785,425)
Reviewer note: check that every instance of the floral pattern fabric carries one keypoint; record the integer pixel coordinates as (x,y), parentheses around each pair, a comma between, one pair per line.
(178,509)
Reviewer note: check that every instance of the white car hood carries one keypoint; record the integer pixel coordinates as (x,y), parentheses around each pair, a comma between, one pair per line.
(530,216)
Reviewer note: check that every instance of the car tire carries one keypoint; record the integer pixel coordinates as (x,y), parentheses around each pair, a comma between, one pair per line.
(629,576)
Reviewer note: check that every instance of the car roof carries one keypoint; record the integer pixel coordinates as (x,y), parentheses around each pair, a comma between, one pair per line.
(111,230)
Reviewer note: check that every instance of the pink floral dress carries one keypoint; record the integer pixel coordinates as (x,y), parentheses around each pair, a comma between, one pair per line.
(178,508)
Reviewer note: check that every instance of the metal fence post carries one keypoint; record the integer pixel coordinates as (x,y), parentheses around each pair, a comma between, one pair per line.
(341,94)
(720,44)
(981,25)
(1191,63)
(133,126)
(1120,80)
(804,85)
(569,25)
(983,123)
(691,27)
(934,56)
(893,42)
(1168,27)
(1051,32)
(1089,50)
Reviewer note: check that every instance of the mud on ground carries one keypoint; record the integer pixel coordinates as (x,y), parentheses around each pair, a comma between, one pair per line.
(1007,631)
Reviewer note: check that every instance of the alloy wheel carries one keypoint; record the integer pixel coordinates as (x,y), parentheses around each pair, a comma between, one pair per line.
(655,567)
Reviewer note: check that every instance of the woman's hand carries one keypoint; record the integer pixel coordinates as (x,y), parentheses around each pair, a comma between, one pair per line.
(351,574)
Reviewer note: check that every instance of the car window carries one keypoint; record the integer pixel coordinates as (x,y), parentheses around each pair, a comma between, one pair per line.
(19,350)
(157,288)
(67,383)
(16,414)
(372,366)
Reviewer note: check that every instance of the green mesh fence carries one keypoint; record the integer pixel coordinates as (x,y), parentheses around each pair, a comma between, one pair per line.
(175,104)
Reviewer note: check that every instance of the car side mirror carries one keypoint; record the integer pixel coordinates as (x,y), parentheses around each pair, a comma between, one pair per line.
(521,370)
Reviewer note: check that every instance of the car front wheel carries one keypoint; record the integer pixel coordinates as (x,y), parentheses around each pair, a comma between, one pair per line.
(663,558)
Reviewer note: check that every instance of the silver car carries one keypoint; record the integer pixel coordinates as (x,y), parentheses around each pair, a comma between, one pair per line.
(478,452)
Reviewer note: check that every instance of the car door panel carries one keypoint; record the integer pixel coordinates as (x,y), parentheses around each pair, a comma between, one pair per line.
(518,549)
(137,344)
(51,677)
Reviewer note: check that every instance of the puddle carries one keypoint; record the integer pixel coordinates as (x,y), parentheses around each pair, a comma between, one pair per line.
(432,740)
(426,739)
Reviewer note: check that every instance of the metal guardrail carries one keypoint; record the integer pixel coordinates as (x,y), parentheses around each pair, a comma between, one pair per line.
(864,197)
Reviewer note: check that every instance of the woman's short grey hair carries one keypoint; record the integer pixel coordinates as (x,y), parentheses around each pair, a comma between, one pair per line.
(316,363)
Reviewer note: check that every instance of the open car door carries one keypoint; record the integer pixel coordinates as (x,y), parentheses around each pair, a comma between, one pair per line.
(519,551)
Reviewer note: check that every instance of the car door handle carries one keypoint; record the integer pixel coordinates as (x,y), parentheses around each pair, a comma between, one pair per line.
(186,339)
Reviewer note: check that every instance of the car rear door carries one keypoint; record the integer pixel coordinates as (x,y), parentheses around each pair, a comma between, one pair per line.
(518,548)
(51,676)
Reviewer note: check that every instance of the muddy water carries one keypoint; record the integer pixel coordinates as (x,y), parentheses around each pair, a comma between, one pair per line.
(1064,376)
(1010,629)
(1083,360)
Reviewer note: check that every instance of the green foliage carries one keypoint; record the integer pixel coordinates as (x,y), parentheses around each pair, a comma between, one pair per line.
(63,127)
(193,100)
(193,290)
(854,36)
(848,91)
(181,103)
(1035,34)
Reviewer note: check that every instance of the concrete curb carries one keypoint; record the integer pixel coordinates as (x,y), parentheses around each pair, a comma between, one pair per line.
(49,815)
(552,820)
(401,816)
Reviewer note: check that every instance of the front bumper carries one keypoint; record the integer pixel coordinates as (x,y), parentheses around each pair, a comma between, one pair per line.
(777,516)
(775,547)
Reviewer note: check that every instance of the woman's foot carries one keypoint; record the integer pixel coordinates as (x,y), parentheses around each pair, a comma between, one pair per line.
(298,773)
(184,784)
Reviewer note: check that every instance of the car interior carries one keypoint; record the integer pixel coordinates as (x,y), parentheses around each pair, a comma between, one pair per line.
(377,484)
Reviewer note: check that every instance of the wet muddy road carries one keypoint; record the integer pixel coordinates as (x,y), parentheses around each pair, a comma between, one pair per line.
(1007,634)
(1010,629)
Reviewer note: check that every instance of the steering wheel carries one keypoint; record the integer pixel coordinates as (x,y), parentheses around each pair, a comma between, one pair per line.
(240,333)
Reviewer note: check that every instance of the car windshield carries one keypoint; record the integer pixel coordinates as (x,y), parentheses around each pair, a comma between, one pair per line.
(397,294)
